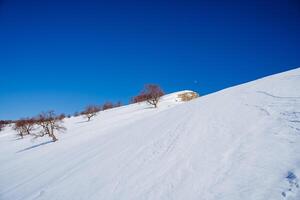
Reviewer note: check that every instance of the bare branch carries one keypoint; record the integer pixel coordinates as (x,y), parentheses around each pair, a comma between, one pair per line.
(91,111)
(151,94)
(49,123)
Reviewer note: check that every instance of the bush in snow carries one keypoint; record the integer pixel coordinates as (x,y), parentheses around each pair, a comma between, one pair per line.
(118,104)
(2,125)
(139,98)
(24,126)
(107,105)
(49,123)
(76,114)
(187,96)
(91,111)
(62,116)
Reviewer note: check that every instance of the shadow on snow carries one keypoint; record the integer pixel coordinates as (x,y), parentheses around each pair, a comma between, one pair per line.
(34,146)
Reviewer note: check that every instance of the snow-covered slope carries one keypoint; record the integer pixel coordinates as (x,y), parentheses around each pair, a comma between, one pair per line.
(239,143)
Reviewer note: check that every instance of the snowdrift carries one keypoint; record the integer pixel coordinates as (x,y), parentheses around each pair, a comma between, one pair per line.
(240,143)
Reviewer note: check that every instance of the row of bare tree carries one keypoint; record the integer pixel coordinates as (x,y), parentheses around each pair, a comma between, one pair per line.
(3,123)
(92,110)
(151,94)
(48,123)
(45,124)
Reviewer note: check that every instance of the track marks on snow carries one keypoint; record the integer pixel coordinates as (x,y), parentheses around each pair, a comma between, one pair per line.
(293,189)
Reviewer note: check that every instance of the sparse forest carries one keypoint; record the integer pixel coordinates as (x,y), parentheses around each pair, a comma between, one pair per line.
(49,123)
(24,126)
(91,111)
(45,124)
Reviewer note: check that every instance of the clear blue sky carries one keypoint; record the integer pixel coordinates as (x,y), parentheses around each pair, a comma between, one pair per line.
(63,55)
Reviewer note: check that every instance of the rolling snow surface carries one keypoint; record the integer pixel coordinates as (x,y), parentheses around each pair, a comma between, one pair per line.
(242,143)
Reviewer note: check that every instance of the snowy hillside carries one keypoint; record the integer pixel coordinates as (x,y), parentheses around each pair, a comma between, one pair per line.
(242,143)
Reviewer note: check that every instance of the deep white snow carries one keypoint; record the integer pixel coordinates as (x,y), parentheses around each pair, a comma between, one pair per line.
(242,143)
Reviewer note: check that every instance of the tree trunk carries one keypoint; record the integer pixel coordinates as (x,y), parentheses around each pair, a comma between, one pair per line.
(53,138)
(52,135)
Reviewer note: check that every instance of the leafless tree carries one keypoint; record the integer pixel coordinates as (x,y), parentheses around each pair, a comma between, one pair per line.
(118,104)
(76,114)
(2,125)
(49,123)
(139,98)
(107,105)
(151,94)
(24,126)
(91,111)
(62,116)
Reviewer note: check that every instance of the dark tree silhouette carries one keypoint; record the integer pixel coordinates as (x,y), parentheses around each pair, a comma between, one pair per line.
(62,116)
(118,104)
(91,111)
(107,105)
(2,125)
(139,98)
(76,114)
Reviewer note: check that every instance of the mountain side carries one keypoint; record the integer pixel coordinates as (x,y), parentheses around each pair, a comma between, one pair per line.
(239,143)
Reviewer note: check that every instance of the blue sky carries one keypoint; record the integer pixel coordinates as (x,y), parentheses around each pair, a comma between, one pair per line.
(63,55)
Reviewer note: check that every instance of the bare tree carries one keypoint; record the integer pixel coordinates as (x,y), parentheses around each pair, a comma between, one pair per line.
(62,116)
(118,104)
(139,98)
(107,105)
(91,111)
(49,123)
(76,114)
(152,94)
(24,126)
(2,125)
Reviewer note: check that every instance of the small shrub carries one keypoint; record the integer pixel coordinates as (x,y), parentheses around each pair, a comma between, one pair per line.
(62,116)
(91,111)
(118,104)
(139,98)
(76,114)
(107,105)
(187,96)
(4,123)
(24,126)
